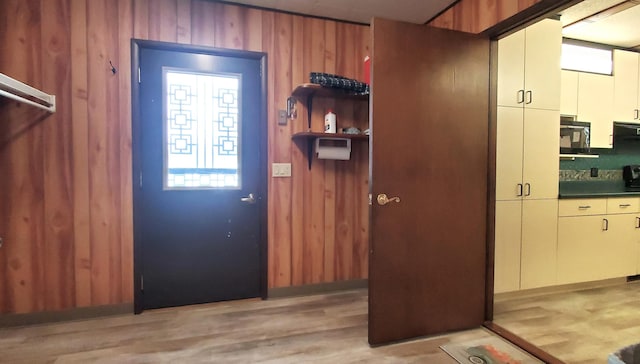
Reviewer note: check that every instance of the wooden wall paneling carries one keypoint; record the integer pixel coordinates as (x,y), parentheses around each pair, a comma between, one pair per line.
(230,27)
(76,166)
(344,192)
(280,147)
(102,152)
(202,23)
(113,150)
(21,160)
(253,37)
(273,262)
(330,165)
(141,19)
(298,159)
(163,20)
(314,182)
(475,16)
(183,21)
(58,188)
(80,160)
(125,33)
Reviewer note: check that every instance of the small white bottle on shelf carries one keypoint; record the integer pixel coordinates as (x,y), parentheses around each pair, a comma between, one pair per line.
(330,122)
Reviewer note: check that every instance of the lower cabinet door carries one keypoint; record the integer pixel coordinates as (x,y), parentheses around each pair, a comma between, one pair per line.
(539,243)
(620,249)
(580,248)
(507,246)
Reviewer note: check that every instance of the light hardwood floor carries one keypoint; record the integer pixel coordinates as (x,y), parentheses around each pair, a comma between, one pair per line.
(330,328)
(581,327)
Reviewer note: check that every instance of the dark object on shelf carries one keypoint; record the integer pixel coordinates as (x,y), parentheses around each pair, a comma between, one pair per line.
(339,82)
(631,176)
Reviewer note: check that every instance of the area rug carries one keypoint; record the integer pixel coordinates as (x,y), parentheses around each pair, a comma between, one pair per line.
(489,350)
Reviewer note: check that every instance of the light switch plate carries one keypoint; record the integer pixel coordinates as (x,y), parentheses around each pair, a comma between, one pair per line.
(281,170)
(282,117)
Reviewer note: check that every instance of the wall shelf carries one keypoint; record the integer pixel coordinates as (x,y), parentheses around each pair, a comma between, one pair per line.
(307,91)
(307,139)
(572,157)
(18,91)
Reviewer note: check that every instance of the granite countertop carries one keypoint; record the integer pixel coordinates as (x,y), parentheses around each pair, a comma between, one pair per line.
(595,189)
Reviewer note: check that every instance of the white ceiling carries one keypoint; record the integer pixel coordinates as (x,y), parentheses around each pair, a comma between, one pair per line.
(619,29)
(359,11)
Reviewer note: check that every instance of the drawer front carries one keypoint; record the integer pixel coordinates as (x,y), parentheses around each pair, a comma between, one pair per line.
(623,205)
(582,207)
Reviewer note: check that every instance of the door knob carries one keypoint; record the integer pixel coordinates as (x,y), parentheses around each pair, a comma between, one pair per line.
(383,199)
(251,199)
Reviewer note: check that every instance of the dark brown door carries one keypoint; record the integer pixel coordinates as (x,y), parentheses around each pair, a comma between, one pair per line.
(199,197)
(429,148)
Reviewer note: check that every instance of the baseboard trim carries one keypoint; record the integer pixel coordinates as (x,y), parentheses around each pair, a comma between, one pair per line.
(533,292)
(311,289)
(82,313)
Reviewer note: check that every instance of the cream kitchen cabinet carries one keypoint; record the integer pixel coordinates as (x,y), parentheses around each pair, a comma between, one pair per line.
(527,147)
(580,248)
(525,244)
(539,243)
(589,97)
(529,67)
(595,105)
(598,239)
(508,233)
(626,76)
(569,92)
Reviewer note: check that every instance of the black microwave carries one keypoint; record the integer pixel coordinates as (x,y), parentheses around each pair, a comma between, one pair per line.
(574,137)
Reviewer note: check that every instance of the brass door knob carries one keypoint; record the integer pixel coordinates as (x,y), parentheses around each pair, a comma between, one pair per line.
(383,199)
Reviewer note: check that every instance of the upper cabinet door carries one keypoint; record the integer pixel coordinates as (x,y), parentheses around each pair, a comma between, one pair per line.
(569,93)
(529,67)
(543,47)
(511,70)
(625,76)
(595,104)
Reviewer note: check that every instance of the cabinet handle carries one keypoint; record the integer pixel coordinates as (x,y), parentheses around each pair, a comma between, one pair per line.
(637,222)
(519,190)
(584,207)
(529,97)
(1,242)
(606,224)
(625,205)
(520,96)
(636,114)
(528,187)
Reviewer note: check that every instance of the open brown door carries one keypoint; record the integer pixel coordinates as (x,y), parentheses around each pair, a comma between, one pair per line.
(429,122)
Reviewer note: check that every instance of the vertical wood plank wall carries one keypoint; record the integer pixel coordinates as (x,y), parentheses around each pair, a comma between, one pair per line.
(65,178)
(476,16)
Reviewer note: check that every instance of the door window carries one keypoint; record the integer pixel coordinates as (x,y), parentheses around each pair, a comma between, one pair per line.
(201,128)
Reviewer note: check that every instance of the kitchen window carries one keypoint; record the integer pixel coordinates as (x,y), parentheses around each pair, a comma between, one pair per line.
(587,58)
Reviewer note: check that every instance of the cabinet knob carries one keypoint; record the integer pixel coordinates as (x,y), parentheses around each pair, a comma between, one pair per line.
(383,199)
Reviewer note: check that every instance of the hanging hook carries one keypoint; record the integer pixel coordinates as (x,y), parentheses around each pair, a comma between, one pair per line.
(113,69)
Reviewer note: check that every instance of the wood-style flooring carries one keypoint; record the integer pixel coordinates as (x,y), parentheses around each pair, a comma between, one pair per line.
(577,327)
(329,328)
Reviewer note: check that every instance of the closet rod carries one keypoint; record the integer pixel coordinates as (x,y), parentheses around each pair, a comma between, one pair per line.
(22,92)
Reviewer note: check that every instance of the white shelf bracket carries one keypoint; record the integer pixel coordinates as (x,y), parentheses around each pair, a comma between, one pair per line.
(16,90)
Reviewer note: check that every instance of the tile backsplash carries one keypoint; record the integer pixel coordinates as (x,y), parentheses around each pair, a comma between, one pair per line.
(609,164)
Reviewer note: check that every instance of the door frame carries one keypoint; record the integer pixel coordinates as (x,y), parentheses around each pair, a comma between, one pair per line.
(136,165)
(531,15)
